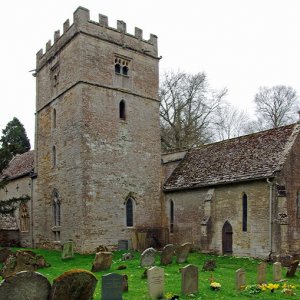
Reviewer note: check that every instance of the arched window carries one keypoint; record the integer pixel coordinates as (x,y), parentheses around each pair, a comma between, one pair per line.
(56,209)
(54,118)
(125,70)
(54,156)
(24,218)
(129,212)
(245,212)
(171,216)
(122,110)
(117,68)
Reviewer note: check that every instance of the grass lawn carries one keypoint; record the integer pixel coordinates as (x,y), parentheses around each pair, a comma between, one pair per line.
(224,274)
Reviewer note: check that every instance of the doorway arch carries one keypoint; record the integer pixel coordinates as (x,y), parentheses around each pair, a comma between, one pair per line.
(227,238)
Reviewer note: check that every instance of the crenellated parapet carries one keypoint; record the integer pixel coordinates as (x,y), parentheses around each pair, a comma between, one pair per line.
(83,25)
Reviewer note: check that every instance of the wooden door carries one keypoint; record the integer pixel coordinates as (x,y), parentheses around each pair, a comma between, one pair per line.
(227,238)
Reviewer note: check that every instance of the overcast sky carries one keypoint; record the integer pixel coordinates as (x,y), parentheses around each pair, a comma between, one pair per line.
(240,44)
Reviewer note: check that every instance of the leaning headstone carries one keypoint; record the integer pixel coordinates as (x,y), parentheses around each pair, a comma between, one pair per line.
(68,250)
(125,283)
(292,269)
(262,273)
(240,279)
(112,286)
(183,252)
(73,284)
(148,257)
(4,254)
(277,273)
(189,280)
(167,254)
(25,285)
(23,260)
(156,282)
(102,261)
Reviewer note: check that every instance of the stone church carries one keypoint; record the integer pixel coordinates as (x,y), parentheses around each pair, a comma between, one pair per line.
(97,175)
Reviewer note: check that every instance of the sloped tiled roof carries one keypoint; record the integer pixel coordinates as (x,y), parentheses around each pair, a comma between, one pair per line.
(20,165)
(249,157)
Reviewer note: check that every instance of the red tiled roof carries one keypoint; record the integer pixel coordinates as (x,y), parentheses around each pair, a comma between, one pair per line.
(20,165)
(249,157)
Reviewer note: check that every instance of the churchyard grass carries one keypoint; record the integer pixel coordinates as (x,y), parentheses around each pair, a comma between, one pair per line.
(223,274)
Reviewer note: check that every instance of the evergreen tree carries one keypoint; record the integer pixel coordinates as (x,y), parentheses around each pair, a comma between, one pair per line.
(14,141)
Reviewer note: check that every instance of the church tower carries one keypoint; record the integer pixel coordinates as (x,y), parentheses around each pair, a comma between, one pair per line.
(97,135)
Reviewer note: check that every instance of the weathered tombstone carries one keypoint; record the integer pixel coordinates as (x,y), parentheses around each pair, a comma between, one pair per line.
(74,284)
(25,285)
(68,250)
(156,282)
(23,260)
(183,252)
(189,280)
(4,254)
(167,254)
(148,257)
(125,283)
(123,245)
(292,269)
(127,256)
(240,279)
(101,248)
(112,286)
(209,265)
(102,261)
(277,273)
(262,273)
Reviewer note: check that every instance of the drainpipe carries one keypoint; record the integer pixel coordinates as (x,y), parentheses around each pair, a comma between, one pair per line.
(31,210)
(270,183)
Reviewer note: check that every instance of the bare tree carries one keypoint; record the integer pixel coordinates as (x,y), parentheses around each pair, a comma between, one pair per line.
(229,122)
(187,106)
(276,106)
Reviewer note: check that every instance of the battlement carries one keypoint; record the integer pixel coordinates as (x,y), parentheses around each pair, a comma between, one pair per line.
(83,24)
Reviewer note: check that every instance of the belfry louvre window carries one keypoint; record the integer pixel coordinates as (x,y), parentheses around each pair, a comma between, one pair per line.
(122,66)
(129,212)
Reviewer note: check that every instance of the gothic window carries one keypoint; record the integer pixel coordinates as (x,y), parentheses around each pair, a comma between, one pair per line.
(245,212)
(54,156)
(171,216)
(122,110)
(54,118)
(129,212)
(56,209)
(24,218)
(122,66)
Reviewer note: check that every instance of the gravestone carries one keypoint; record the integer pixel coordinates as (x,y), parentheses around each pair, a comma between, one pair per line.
(240,279)
(127,256)
(123,245)
(277,273)
(167,254)
(183,252)
(4,254)
(101,248)
(102,261)
(25,285)
(23,260)
(262,273)
(112,286)
(148,257)
(189,280)
(74,284)
(68,250)
(156,282)
(125,283)
(292,269)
